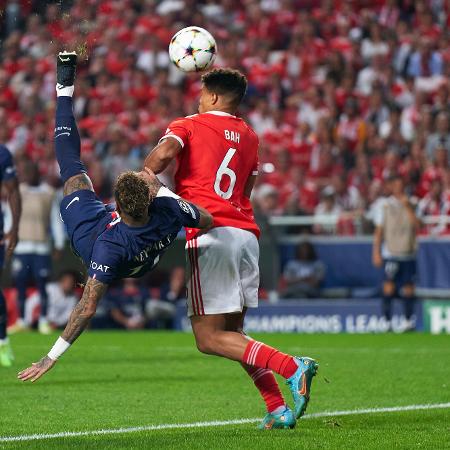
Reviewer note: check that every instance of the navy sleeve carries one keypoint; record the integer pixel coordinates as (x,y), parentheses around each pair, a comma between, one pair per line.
(186,213)
(105,262)
(7,168)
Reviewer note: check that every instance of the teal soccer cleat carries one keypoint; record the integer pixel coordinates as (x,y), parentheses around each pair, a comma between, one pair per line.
(300,383)
(284,420)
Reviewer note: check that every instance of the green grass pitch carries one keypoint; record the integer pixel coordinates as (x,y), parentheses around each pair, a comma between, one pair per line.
(111,380)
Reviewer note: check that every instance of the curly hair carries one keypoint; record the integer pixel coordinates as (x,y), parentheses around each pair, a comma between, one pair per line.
(226,82)
(132,194)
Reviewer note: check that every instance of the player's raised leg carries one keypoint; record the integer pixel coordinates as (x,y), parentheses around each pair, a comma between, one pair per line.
(67,138)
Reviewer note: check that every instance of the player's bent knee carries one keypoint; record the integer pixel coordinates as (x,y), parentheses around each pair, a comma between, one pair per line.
(203,346)
(205,343)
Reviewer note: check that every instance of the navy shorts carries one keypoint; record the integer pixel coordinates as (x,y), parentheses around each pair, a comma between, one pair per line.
(400,272)
(85,217)
(2,255)
(39,266)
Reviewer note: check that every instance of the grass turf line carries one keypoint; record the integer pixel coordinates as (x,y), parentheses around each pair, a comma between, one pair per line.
(114,380)
(218,423)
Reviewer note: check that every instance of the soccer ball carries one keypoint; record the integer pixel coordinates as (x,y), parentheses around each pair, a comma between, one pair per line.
(192,49)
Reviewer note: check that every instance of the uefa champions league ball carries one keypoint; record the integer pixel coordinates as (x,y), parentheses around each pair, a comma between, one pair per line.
(192,49)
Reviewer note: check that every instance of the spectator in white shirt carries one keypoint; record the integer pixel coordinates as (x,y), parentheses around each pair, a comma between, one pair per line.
(62,298)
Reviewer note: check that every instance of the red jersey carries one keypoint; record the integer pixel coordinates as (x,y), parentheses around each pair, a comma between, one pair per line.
(219,154)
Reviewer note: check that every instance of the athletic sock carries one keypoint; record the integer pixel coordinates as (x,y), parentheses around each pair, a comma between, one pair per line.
(387,302)
(261,355)
(268,387)
(3,317)
(408,305)
(66,91)
(279,410)
(21,285)
(67,140)
(42,288)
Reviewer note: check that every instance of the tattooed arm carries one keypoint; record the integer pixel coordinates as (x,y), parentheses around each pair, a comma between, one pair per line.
(84,310)
(79,319)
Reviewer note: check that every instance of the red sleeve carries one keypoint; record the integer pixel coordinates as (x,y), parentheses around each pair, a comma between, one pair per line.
(179,129)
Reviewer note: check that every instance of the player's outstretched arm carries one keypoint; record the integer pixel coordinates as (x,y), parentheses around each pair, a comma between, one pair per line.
(84,310)
(206,219)
(79,319)
(161,156)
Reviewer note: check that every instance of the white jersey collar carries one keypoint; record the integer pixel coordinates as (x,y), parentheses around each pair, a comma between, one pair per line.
(219,113)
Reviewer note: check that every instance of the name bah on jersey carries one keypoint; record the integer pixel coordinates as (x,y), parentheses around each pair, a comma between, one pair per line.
(233,136)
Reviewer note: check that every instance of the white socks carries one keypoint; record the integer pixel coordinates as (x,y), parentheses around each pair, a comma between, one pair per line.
(64,91)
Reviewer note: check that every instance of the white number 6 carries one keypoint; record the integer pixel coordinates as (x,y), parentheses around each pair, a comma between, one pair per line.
(225,170)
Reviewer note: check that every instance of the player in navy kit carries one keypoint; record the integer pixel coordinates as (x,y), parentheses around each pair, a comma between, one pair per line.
(9,180)
(114,243)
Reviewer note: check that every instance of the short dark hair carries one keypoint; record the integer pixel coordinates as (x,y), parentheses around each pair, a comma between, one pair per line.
(227,82)
(394,177)
(307,251)
(132,194)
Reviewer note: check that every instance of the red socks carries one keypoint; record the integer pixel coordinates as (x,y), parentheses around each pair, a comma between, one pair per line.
(267,386)
(261,355)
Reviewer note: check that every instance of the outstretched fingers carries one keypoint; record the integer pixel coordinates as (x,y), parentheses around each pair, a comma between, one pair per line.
(36,370)
(28,373)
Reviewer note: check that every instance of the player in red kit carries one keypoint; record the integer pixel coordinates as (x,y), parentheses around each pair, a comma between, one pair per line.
(216,157)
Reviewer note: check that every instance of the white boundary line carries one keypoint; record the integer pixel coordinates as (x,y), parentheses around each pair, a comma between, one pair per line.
(217,423)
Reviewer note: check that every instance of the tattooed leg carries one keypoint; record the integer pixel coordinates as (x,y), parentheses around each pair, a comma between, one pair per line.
(78,183)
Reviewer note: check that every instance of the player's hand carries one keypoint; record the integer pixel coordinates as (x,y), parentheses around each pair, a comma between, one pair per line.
(11,238)
(36,370)
(377,259)
(152,181)
(148,175)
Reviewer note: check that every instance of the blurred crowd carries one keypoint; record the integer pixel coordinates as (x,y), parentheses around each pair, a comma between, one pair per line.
(343,94)
(131,303)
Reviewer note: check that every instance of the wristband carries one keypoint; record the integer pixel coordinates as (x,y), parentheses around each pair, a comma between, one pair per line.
(58,349)
(165,192)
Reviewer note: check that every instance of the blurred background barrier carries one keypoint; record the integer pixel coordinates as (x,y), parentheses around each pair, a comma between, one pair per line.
(337,316)
(349,264)
(347,259)
(319,316)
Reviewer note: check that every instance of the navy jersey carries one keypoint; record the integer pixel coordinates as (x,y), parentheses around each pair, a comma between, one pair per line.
(111,249)
(7,172)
